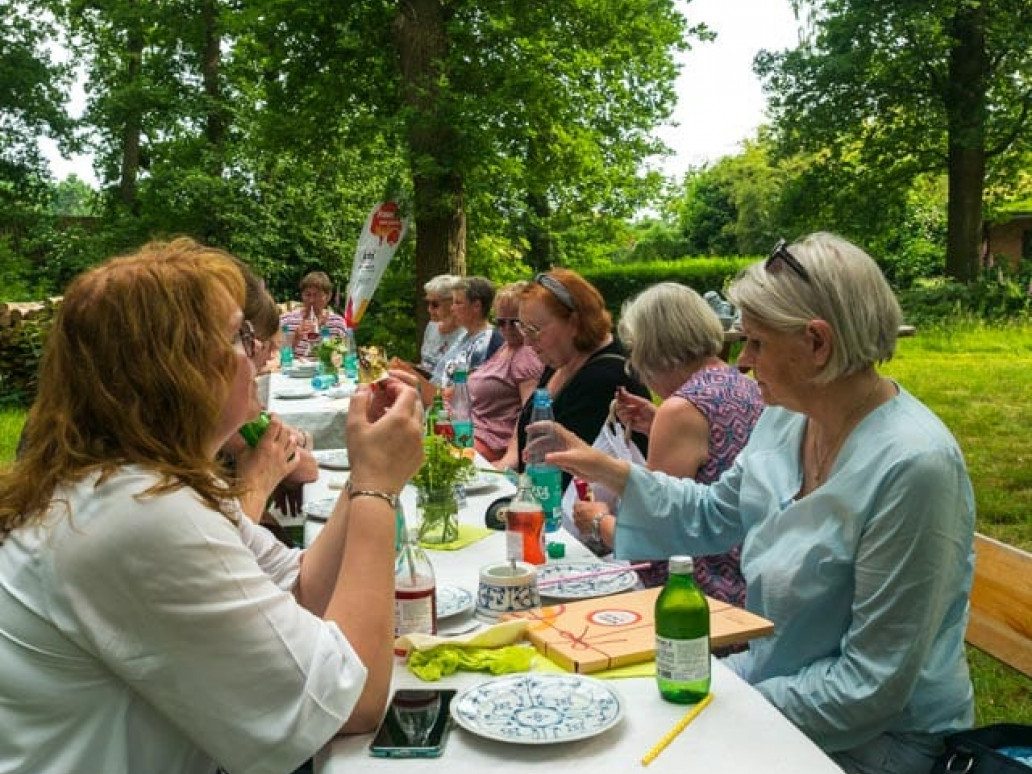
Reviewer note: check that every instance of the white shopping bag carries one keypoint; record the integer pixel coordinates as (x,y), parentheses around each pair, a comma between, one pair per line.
(615,440)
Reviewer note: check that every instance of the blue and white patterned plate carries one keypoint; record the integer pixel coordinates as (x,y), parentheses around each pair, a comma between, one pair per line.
(585,588)
(320,510)
(452,600)
(332,459)
(538,708)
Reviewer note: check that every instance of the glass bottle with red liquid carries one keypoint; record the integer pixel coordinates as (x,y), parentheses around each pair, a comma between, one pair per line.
(415,591)
(525,526)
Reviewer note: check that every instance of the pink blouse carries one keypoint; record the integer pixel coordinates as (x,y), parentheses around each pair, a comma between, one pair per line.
(494,388)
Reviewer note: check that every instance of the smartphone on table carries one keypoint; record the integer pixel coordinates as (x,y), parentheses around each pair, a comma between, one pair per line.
(415,725)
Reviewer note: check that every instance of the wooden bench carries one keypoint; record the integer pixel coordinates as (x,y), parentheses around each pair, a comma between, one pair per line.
(1001,603)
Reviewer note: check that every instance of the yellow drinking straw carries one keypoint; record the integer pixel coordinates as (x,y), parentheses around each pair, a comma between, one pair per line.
(673,732)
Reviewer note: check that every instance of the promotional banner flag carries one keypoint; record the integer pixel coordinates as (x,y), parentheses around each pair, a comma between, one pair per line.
(383,231)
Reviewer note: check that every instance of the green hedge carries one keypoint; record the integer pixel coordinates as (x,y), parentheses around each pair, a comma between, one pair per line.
(21,346)
(620,282)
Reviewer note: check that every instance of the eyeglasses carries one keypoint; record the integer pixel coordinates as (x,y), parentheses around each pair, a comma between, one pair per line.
(557,289)
(529,330)
(501,322)
(781,253)
(246,337)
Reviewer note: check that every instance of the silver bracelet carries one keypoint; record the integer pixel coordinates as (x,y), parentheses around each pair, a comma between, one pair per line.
(387,497)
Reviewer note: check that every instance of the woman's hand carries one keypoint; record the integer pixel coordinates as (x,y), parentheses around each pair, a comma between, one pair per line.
(385,435)
(260,469)
(584,461)
(634,411)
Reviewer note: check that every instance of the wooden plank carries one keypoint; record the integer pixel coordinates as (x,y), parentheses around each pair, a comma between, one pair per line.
(1001,603)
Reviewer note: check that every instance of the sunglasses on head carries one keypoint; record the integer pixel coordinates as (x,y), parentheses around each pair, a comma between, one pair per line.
(781,253)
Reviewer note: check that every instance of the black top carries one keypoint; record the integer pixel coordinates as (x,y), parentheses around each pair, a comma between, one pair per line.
(582,404)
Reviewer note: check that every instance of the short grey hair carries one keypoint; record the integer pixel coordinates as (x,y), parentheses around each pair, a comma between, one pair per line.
(666,327)
(442,285)
(846,289)
(478,289)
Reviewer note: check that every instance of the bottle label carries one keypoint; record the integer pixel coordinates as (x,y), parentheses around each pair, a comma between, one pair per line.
(682,661)
(463,430)
(547,484)
(414,611)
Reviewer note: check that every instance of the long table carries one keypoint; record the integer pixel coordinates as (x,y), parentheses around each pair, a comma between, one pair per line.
(739,732)
(324,417)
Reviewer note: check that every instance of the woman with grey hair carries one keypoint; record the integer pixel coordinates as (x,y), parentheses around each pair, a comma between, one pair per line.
(443,330)
(853,506)
(709,408)
(471,304)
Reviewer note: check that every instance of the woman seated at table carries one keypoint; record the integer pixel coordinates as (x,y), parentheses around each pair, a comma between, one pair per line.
(443,330)
(709,408)
(145,624)
(305,324)
(471,303)
(854,510)
(565,321)
(282,462)
(505,381)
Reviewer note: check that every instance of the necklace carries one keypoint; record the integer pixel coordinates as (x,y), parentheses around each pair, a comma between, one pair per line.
(824,458)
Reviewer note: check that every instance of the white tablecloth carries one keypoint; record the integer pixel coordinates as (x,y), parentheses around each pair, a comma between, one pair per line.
(738,732)
(323,417)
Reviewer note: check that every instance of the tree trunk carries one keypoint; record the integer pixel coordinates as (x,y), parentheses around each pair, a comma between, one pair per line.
(439,211)
(966,118)
(215,119)
(133,126)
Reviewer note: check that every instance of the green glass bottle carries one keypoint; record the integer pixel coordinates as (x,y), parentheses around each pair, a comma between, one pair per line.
(682,636)
(255,429)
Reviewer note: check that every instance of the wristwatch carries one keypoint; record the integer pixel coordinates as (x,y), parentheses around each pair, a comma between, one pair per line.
(596,527)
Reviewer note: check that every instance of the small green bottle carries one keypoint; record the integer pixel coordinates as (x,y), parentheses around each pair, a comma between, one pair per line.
(254,430)
(682,636)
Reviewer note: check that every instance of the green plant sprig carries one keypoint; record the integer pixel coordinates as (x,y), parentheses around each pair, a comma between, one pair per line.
(442,468)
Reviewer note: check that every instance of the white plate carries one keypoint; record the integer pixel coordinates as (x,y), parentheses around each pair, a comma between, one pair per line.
(320,510)
(602,586)
(484,482)
(452,600)
(332,459)
(302,371)
(341,391)
(538,708)
(293,394)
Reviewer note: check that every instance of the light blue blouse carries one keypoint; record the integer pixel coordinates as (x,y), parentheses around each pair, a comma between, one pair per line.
(866,579)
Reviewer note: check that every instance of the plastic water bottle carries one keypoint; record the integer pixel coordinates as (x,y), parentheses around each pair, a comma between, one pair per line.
(438,419)
(415,598)
(524,526)
(350,355)
(682,636)
(286,351)
(324,381)
(547,479)
(461,410)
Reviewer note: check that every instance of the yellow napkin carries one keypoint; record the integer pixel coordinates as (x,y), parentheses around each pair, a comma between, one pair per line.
(489,650)
(467,535)
(542,663)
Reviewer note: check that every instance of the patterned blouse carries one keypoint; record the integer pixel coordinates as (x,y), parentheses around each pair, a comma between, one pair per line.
(731,403)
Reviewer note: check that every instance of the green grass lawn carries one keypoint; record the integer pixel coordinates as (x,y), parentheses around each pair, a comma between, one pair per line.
(979,381)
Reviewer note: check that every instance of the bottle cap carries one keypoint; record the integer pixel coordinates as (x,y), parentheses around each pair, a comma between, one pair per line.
(556,550)
(682,565)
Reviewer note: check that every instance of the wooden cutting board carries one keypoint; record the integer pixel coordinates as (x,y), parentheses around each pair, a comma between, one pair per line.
(607,632)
